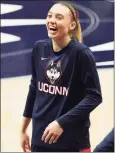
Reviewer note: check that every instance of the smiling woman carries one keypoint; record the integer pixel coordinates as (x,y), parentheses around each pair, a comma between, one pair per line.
(64,87)
(55,21)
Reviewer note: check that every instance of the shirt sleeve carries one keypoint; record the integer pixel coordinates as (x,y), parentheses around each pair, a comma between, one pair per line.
(93,97)
(32,88)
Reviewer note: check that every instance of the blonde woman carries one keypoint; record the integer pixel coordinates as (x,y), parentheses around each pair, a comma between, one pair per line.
(64,87)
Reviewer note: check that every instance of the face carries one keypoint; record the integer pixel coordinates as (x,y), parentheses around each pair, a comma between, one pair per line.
(59,21)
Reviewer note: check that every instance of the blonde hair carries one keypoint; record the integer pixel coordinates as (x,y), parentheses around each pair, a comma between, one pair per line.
(77,32)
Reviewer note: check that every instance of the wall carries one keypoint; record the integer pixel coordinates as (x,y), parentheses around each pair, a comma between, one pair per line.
(13,96)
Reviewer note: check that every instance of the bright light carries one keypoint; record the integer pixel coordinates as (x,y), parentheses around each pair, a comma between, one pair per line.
(21,22)
(8,8)
(103,47)
(105,63)
(6,38)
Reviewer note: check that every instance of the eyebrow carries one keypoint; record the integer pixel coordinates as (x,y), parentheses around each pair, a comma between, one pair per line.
(56,13)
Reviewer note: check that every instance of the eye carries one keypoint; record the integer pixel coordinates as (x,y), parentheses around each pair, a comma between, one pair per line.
(59,17)
(49,16)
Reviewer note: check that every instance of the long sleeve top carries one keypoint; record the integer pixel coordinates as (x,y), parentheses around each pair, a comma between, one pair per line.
(64,87)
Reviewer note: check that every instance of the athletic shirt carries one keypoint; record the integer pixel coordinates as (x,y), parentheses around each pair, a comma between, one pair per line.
(64,87)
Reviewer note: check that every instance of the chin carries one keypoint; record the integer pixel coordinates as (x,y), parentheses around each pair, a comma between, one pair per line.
(52,36)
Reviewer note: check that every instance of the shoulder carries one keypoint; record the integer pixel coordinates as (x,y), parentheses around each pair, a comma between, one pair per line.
(80,46)
(84,51)
(39,46)
(41,43)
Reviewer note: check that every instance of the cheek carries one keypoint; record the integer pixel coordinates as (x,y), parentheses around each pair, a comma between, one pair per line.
(65,26)
(47,21)
(64,29)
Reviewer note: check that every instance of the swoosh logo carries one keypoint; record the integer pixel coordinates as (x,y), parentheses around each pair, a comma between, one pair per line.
(42,58)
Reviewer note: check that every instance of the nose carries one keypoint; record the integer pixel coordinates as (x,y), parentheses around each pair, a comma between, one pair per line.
(51,20)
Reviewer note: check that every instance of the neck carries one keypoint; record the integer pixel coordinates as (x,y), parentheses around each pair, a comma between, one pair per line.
(59,44)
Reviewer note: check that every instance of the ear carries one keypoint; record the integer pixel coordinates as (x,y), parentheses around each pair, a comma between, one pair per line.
(73,25)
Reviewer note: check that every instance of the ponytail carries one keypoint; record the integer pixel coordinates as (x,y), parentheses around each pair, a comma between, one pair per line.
(77,32)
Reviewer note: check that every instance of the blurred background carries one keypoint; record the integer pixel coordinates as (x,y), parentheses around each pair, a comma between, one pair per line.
(22,24)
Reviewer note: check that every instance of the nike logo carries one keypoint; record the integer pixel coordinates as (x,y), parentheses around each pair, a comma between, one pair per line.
(42,58)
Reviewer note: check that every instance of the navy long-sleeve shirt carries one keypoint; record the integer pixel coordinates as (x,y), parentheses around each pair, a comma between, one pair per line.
(64,87)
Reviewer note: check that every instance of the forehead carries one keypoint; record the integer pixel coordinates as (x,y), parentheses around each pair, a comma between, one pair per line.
(60,9)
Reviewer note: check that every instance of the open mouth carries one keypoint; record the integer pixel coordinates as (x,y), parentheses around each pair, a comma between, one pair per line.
(53,29)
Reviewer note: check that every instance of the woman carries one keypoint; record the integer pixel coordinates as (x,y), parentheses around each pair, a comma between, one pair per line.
(64,87)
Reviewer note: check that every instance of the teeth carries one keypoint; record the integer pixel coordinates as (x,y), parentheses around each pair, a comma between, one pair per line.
(53,29)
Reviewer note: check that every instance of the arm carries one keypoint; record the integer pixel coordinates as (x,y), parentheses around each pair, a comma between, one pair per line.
(24,138)
(32,89)
(92,99)
(25,124)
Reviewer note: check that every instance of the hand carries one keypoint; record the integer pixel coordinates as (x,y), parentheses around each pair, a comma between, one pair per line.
(25,144)
(52,132)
